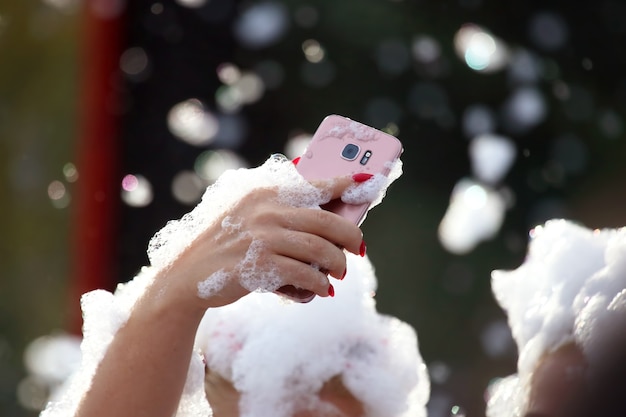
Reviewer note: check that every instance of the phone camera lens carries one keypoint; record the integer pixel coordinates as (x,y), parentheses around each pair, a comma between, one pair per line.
(350,152)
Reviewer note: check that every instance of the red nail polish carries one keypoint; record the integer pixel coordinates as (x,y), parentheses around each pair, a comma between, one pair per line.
(296,160)
(362,177)
(331,290)
(363,248)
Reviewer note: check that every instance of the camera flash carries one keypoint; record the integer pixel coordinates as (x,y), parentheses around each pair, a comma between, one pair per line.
(366,157)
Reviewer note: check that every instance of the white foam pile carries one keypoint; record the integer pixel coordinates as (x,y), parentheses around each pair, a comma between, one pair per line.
(571,287)
(295,346)
(298,347)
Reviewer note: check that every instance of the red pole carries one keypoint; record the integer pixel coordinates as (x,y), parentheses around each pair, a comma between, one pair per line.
(97,191)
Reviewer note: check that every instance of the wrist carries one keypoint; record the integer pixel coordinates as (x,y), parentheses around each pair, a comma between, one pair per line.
(173,295)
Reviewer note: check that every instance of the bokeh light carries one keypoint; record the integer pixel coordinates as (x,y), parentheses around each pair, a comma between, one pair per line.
(191,122)
(478,119)
(313,51)
(241,89)
(524,109)
(262,24)
(62,5)
(192,3)
(491,157)
(136,190)
(211,164)
(497,340)
(58,194)
(134,63)
(481,50)
(70,172)
(296,145)
(426,49)
(548,31)
(187,187)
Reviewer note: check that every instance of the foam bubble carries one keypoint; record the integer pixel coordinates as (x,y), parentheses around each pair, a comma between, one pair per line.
(475,214)
(491,156)
(571,287)
(254,277)
(213,284)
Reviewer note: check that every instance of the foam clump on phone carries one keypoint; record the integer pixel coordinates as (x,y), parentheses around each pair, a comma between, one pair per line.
(373,190)
(300,347)
(570,288)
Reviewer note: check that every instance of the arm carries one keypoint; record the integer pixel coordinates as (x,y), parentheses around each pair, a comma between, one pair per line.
(144,369)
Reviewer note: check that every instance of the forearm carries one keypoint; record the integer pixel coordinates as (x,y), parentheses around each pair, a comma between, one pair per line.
(144,369)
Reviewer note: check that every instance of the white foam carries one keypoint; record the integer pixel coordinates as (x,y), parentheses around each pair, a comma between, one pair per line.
(103,314)
(253,276)
(373,190)
(368,348)
(298,347)
(571,287)
(365,192)
(354,130)
(213,284)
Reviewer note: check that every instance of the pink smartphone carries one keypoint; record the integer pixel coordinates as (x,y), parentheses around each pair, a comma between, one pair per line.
(342,146)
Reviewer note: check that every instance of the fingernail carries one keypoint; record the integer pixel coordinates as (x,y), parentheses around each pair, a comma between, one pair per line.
(331,290)
(345,271)
(362,177)
(296,160)
(363,248)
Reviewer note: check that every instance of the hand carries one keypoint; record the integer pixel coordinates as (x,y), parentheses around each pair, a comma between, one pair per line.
(261,243)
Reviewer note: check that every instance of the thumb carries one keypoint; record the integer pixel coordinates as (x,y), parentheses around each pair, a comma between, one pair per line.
(336,186)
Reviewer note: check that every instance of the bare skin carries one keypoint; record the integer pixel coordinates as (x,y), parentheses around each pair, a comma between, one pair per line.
(559,383)
(339,401)
(565,384)
(144,369)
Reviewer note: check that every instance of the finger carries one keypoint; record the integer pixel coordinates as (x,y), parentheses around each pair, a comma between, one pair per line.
(302,276)
(312,249)
(296,294)
(330,226)
(334,186)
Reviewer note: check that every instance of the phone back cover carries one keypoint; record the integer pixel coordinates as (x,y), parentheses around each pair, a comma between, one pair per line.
(322,158)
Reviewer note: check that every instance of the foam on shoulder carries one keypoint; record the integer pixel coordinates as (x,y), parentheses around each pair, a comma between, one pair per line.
(571,287)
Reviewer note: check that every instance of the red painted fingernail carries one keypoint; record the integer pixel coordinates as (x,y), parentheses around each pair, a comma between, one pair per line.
(345,271)
(363,248)
(331,290)
(296,160)
(362,177)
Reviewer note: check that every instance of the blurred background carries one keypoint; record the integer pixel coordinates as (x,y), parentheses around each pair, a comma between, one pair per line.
(115,115)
